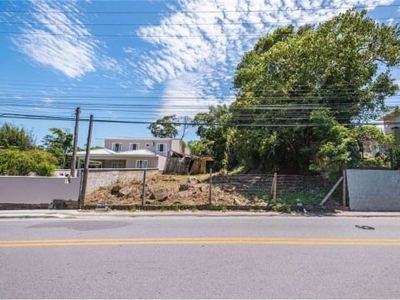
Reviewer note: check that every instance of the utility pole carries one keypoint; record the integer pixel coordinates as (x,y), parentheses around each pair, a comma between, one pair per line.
(76,133)
(82,194)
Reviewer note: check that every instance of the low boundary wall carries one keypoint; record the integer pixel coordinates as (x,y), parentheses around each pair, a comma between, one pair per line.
(37,190)
(374,190)
(43,190)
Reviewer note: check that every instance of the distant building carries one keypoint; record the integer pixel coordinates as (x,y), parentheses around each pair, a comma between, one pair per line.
(133,153)
(391,124)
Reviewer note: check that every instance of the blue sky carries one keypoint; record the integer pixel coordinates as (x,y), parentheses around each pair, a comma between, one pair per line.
(137,60)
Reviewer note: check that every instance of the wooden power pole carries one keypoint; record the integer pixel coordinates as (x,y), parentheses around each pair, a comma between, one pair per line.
(82,194)
(75,146)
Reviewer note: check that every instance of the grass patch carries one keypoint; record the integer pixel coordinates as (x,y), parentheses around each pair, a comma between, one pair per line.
(298,201)
(177,207)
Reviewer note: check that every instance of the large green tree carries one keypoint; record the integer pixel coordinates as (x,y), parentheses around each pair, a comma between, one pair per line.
(342,65)
(216,137)
(165,127)
(59,143)
(170,126)
(17,137)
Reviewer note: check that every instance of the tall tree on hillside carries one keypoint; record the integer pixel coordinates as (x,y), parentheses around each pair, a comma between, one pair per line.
(342,66)
(216,137)
(165,127)
(59,143)
(169,126)
(17,137)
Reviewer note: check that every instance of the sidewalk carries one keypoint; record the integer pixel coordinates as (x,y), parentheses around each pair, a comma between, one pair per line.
(86,214)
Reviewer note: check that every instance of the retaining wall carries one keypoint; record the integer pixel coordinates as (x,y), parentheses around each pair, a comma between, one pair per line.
(105,177)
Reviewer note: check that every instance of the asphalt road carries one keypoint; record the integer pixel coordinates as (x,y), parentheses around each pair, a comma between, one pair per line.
(187,257)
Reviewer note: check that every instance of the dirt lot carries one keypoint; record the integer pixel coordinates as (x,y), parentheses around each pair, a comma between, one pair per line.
(168,190)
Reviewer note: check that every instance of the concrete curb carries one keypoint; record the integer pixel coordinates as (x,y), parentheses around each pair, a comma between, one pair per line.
(77,214)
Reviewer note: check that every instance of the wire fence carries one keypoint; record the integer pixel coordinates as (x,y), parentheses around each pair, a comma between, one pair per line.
(270,185)
(187,191)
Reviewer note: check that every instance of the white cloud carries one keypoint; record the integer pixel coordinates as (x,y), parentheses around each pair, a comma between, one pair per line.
(390,21)
(205,39)
(183,97)
(54,39)
(47,101)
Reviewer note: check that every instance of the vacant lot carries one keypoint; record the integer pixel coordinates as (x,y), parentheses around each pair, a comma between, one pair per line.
(169,190)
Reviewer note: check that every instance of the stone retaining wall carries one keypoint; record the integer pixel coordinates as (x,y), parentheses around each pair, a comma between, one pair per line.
(105,177)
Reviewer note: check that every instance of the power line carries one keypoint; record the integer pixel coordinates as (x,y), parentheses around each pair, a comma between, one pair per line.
(164,24)
(7,84)
(54,118)
(206,11)
(126,35)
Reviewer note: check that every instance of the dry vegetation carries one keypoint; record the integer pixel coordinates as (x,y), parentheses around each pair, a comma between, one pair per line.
(167,190)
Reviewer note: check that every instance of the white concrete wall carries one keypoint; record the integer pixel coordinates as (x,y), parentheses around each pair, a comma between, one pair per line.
(374,190)
(37,190)
(43,190)
(162,161)
(176,146)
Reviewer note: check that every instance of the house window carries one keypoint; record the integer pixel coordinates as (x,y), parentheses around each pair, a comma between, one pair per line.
(117,165)
(134,146)
(141,164)
(161,148)
(117,147)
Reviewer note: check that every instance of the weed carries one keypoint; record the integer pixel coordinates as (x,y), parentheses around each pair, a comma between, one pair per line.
(224,208)
(194,208)
(163,208)
(239,170)
(177,207)
(132,208)
(266,198)
(282,207)
(295,201)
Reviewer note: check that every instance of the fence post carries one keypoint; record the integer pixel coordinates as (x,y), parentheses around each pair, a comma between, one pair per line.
(344,187)
(210,187)
(275,185)
(144,186)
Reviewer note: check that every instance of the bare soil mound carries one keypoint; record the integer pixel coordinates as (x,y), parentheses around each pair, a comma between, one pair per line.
(167,190)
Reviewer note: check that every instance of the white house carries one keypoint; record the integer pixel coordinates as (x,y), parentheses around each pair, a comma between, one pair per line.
(127,152)
(391,124)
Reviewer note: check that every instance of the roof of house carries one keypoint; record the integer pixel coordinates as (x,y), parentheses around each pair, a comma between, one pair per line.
(102,151)
(394,113)
(107,152)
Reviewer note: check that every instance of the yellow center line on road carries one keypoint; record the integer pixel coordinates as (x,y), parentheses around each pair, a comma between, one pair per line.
(203,241)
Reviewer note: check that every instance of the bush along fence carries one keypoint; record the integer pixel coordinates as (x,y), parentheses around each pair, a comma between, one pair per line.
(281,192)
